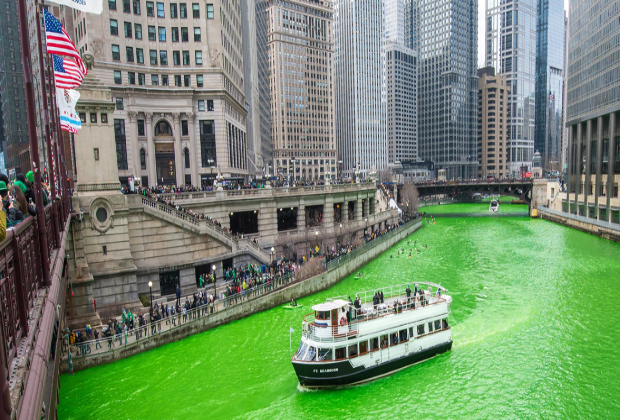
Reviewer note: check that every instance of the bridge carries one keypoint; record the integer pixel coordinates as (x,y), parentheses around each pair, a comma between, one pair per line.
(519,188)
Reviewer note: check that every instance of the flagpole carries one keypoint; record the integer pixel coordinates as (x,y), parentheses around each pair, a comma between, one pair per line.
(48,134)
(290,337)
(33,140)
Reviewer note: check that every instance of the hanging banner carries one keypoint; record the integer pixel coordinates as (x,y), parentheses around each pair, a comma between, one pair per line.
(88,6)
(66,100)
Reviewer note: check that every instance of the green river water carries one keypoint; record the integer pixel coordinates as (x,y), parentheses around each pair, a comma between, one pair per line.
(534,320)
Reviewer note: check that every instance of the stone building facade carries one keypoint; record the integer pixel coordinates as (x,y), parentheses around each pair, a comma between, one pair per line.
(175,70)
(493,113)
(300,45)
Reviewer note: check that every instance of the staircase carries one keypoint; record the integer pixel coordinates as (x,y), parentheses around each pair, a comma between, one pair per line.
(254,249)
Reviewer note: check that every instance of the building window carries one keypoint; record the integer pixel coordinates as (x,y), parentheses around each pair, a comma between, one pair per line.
(141,79)
(129,54)
(126,6)
(184,35)
(210,106)
(83,117)
(207,143)
(113,27)
(127,29)
(201,105)
(183,10)
(153,57)
(198,57)
(186,58)
(173,10)
(177,80)
(209,11)
(93,118)
(186,153)
(199,81)
(151,33)
(162,33)
(150,9)
(154,80)
(136,7)
(160,10)
(116,53)
(111,4)
(163,129)
(131,78)
(141,127)
(104,118)
(176,58)
(164,80)
(142,159)
(175,34)
(139,56)
(186,80)
(184,128)
(121,144)
(196,10)
(138,28)
(119,104)
(197,36)
(117,77)
(163,58)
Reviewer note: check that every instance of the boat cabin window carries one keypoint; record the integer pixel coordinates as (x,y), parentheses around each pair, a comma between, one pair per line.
(322,315)
(411,332)
(430,326)
(445,322)
(341,353)
(393,339)
(306,353)
(325,354)
(301,350)
(363,345)
(421,329)
(352,350)
(402,335)
(374,343)
(437,324)
(384,341)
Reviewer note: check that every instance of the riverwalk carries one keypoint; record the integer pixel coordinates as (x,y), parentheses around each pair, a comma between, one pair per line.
(266,296)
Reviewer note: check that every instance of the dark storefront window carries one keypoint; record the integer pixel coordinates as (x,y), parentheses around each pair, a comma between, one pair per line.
(168,282)
(207,143)
(121,144)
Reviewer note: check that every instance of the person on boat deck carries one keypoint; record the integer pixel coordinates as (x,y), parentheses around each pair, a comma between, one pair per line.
(358,305)
(381,296)
(408,294)
(375,300)
(395,338)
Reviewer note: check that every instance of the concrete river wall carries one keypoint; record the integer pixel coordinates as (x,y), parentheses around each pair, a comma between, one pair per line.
(336,271)
(596,227)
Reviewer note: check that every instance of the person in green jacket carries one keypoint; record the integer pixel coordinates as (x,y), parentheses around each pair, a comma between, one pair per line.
(201,280)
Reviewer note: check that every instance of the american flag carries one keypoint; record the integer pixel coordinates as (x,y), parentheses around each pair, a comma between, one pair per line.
(67,74)
(58,42)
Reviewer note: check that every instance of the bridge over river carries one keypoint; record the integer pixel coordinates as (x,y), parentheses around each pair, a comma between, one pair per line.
(519,188)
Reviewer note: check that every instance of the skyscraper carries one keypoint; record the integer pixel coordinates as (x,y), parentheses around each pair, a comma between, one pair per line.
(549,82)
(510,44)
(301,76)
(360,85)
(593,109)
(493,92)
(446,41)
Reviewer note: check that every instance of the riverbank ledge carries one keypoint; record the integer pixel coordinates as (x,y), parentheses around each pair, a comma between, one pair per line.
(600,228)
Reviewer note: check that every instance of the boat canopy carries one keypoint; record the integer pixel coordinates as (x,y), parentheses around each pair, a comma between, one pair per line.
(328,306)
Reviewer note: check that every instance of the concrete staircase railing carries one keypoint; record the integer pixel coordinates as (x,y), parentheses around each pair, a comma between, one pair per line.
(254,249)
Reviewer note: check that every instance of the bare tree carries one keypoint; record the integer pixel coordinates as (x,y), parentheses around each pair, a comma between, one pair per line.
(409,198)
(312,267)
(384,175)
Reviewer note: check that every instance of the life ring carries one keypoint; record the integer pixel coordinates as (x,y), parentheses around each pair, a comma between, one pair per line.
(343,321)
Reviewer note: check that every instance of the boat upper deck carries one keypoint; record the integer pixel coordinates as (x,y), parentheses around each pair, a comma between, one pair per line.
(340,320)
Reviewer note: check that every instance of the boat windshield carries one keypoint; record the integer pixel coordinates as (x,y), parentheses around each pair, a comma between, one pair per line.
(306,353)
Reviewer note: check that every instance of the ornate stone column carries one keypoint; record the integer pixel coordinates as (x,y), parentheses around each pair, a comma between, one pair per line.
(179,161)
(133,130)
(150,153)
(192,149)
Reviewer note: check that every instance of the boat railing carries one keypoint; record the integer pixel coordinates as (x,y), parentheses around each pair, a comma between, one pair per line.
(395,291)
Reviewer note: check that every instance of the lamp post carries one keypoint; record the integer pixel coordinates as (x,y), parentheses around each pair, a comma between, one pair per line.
(293,163)
(340,170)
(214,280)
(272,251)
(151,290)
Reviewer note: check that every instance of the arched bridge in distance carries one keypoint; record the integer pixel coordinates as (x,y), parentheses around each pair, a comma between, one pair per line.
(518,188)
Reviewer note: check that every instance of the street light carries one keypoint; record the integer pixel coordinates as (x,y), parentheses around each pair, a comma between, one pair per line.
(272,251)
(151,290)
(213,271)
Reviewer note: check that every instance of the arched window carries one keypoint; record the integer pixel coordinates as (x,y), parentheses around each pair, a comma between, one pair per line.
(186,152)
(163,129)
(142,159)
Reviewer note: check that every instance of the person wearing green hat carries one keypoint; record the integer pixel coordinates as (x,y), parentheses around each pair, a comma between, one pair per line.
(30,176)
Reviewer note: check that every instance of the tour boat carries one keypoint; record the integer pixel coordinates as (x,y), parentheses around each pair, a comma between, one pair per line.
(494,206)
(342,345)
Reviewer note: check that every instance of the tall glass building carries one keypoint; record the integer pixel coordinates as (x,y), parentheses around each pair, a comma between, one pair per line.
(593,110)
(360,85)
(444,33)
(510,47)
(549,82)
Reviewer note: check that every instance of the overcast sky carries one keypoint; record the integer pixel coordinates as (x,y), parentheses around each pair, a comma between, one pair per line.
(481,10)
